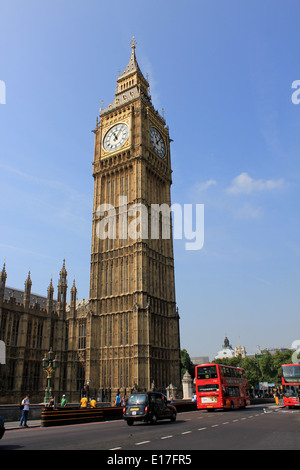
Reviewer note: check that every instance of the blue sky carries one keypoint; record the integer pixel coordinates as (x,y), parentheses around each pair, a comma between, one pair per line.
(223,73)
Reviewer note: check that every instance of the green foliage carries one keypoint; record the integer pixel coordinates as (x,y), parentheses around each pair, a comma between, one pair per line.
(266,368)
(186,364)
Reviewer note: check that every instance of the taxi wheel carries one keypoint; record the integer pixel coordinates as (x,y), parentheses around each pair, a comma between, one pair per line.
(130,422)
(153,419)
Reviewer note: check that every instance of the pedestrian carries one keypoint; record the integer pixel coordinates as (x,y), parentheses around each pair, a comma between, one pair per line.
(83,402)
(25,411)
(93,403)
(64,401)
(118,401)
(51,402)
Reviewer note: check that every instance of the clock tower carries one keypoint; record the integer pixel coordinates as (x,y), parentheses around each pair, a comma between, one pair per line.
(132,285)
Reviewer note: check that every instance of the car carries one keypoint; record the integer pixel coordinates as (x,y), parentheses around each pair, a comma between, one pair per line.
(149,407)
(2,428)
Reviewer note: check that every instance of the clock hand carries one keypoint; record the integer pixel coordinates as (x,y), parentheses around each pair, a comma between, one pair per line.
(117,135)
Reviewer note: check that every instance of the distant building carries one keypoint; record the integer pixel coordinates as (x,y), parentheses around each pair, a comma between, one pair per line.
(228,351)
(200,360)
(240,351)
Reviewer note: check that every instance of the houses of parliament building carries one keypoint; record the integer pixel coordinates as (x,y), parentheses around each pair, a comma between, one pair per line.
(126,335)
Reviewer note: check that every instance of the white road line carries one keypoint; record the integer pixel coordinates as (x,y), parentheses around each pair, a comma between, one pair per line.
(116,448)
(235,420)
(226,422)
(201,429)
(186,432)
(166,437)
(215,425)
(143,442)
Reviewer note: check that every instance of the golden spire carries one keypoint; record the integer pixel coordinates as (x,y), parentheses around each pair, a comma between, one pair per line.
(133,43)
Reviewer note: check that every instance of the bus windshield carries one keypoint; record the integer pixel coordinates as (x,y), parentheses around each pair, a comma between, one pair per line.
(207,372)
(291,374)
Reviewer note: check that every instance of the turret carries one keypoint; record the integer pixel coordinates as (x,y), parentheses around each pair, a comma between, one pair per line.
(62,290)
(50,297)
(27,292)
(3,277)
(73,299)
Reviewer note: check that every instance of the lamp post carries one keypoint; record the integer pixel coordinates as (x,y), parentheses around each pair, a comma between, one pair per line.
(50,364)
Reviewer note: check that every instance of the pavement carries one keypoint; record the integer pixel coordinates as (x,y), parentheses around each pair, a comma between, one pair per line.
(10,425)
(36,423)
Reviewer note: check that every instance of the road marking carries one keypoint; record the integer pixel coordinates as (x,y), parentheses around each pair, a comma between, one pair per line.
(201,429)
(226,422)
(166,437)
(215,425)
(186,432)
(143,442)
(116,448)
(235,420)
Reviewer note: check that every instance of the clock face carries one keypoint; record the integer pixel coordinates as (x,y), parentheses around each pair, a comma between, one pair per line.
(116,137)
(157,142)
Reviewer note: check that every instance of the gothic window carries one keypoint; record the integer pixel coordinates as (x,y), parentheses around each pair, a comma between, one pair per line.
(11,375)
(80,377)
(28,338)
(106,280)
(36,376)
(82,335)
(66,336)
(127,275)
(122,276)
(39,337)
(3,326)
(111,278)
(15,332)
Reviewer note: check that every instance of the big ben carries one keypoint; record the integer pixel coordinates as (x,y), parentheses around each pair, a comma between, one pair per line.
(132,282)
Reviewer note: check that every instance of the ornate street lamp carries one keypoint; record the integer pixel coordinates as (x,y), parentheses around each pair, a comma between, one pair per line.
(50,365)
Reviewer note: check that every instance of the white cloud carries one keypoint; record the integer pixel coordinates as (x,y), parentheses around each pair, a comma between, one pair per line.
(248,212)
(243,183)
(204,186)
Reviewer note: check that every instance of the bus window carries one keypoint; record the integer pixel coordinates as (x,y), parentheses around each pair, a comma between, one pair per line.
(207,372)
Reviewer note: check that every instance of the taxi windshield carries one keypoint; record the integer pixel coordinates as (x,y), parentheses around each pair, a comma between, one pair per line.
(137,399)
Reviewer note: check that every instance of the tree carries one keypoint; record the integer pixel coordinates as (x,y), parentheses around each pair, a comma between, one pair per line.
(264,369)
(186,364)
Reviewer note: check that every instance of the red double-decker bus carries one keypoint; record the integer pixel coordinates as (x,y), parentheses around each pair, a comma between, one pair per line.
(220,386)
(290,384)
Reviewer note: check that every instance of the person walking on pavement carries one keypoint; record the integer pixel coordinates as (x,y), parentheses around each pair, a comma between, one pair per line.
(64,401)
(25,411)
(118,400)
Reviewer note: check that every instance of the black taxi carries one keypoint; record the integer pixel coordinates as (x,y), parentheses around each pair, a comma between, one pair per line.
(149,407)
